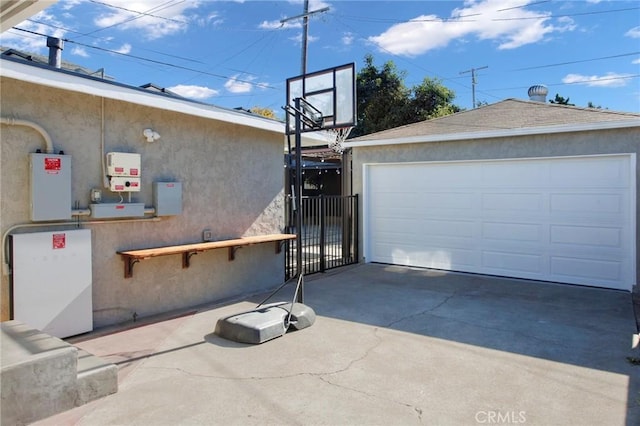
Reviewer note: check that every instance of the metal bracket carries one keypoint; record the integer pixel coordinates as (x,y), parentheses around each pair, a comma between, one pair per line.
(128,265)
(186,256)
(232,252)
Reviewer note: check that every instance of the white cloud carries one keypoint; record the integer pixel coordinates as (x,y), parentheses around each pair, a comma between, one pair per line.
(165,21)
(610,79)
(69,4)
(636,61)
(246,84)
(347,39)
(32,43)
(633,32)
(124,49)
(193,92)
(298,39)
(79,51)
(274,25)
(494,20)
(234,85)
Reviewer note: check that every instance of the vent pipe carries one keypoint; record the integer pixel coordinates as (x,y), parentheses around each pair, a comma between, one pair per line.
(55,46)
(538,93)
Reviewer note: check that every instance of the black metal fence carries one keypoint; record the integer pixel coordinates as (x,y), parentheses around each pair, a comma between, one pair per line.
(329,233)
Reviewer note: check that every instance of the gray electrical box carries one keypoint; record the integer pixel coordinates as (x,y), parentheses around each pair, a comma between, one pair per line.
(116,210)
(167,198)
(50,186)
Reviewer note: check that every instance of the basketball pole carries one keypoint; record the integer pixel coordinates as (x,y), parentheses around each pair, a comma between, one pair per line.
(298,203)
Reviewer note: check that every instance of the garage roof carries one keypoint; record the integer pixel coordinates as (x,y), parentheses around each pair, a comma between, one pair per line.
(511,117)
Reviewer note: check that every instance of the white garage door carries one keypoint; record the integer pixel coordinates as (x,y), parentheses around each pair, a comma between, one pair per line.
(569,219)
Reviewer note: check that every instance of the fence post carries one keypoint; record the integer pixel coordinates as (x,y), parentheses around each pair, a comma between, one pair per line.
(322,233)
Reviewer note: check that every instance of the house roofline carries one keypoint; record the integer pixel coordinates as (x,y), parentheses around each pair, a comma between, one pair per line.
(503,133)
(65,80)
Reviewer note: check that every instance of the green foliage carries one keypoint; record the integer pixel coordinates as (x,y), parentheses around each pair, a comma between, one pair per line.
(384,102)
(560,100)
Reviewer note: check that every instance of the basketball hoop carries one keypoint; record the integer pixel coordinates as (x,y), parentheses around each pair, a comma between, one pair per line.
(339,135)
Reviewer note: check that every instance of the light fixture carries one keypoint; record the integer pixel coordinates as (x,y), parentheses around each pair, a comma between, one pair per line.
(151,135)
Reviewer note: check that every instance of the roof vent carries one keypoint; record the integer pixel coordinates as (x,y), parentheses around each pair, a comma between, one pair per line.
(538,93)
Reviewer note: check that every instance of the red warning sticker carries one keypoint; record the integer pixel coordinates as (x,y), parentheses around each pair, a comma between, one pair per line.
(133,172)
(59,241)
(120,207)
(52,165)
(119,169)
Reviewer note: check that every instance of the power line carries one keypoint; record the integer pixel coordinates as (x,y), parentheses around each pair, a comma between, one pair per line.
(98,38)
(153,61)
(138,12)
(578,61)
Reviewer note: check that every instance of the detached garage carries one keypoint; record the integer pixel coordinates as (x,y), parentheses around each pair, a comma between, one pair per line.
(531,190)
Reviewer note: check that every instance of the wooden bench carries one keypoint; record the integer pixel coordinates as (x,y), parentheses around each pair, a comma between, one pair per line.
(131,257)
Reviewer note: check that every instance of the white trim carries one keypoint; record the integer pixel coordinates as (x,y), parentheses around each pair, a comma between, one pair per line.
(525,131)
(65,81)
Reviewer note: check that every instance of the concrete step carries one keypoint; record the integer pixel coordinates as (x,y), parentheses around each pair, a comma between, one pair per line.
(42,375)
(95,378)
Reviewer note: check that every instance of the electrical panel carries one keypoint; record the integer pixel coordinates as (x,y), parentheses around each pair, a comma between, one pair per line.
(167,197)
(50,187)
(123,170)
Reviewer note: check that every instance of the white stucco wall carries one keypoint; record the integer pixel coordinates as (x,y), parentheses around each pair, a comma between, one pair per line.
(232,183)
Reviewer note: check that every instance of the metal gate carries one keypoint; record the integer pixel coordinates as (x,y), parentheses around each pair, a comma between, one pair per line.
(329,233)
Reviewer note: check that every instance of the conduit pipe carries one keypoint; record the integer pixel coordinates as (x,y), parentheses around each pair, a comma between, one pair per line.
(6,262)
(18,122)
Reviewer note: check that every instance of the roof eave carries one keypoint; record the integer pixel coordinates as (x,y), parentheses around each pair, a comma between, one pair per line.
(502,133)
(96,87)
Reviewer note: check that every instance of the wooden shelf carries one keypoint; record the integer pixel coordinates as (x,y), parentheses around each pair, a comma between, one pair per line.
(131,257)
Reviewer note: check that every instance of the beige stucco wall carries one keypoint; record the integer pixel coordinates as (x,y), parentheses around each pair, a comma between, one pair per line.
(232,184)
(564,144)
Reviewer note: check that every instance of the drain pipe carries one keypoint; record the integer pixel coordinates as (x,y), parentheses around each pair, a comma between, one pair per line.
(17,122)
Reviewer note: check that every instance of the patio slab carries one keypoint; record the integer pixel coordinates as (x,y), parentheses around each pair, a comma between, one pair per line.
(391,345)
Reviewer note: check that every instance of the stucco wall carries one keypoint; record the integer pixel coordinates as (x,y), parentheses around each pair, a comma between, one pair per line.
(232,184)
(565,144)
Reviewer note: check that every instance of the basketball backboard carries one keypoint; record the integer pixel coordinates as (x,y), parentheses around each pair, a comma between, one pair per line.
(328,99)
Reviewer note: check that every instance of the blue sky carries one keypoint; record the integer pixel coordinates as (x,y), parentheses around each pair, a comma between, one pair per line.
(239,54)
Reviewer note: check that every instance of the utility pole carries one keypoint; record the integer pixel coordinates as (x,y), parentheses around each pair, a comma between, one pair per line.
(305,30)
(473,81)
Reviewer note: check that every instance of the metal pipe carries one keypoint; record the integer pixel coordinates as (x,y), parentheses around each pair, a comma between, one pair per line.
(55,46)
(18,122)
(5,235)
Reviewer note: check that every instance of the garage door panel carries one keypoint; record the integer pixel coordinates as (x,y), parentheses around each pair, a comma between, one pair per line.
(527,202)
(595,237)
(592,203)
(430,257)
(590,270)
(558,219)
(463,201)
(596,172)
(505,263)
(515,232)
(507,174)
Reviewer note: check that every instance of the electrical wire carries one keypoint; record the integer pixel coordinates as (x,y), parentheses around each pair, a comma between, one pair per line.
(153,61)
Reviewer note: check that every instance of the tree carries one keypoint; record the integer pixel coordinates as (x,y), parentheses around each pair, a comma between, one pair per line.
(560,100)
(265,112)
(381,97)
(384,102)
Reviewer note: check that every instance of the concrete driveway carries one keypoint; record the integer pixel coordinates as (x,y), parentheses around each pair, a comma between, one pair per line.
(391,345)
